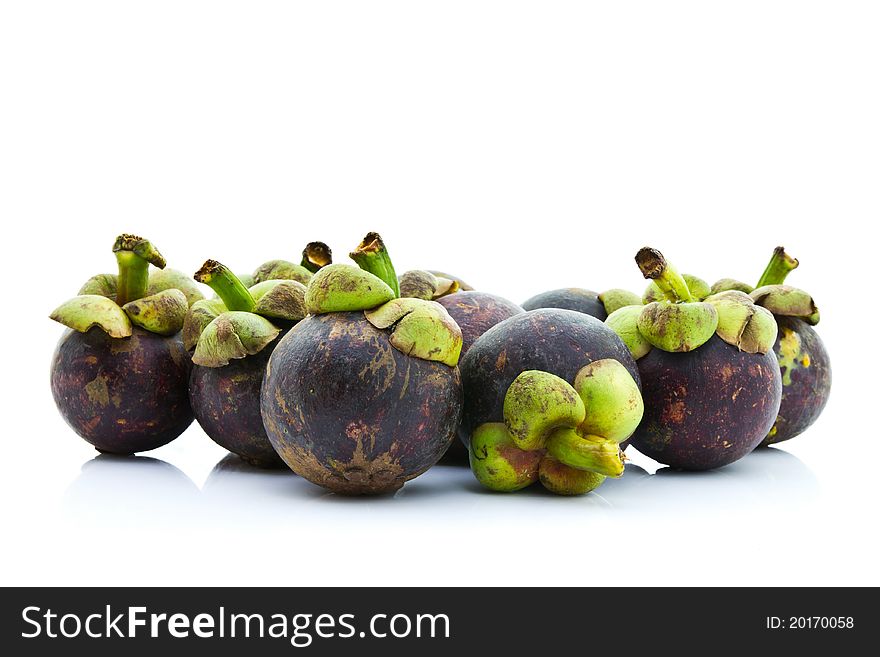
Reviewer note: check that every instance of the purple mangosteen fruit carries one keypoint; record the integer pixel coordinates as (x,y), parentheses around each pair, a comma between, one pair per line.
(549,396)
(803,360)
(119,376)
(364,394)
(710,382)
(232,337)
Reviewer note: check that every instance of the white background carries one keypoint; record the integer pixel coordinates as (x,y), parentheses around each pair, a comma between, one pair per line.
(524,146)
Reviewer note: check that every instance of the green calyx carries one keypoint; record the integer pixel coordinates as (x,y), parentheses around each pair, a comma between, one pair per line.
(232,335)
(419,328)
(625,322)
(420,284)
(697,287)
(551,430)
(159,280)
(237,323)
(742,323)
(281,270)
(133,296)
(616,299)
(371,255)
(345,288)
(787,301)
(315,256)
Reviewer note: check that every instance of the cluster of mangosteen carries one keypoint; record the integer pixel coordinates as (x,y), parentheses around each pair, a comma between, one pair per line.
(359,380)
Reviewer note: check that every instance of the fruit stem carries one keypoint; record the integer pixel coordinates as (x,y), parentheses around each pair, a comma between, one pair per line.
(655,267)
(227,285)
(780,265)
(134,255)
(316,255)
(372,256)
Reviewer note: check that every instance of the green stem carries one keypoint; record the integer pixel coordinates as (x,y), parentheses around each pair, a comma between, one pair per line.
(655,267)
(134,255)
(372,256)
(780,265)
(228,287)
(316,255)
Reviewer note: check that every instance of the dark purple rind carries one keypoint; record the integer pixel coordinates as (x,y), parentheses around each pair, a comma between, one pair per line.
(122,395)
(349,412)
(226,403)
(569,298)
(475,313)
(551,340)
(706,408)
(805,395)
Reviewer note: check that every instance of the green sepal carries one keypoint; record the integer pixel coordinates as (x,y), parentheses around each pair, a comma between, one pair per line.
(86,311)
(612,400)
(281,270)
(538,402)
(101,284)
(200,314)
(420,284)
(742,323)
(422,329)
(561,479)
(280,299)
(342,288)
(617,298)
(728,284)
(677,327)
(698,288)
(233,335)
(625,322)
(162,313)
(787,301)
(496,461)
(172,279)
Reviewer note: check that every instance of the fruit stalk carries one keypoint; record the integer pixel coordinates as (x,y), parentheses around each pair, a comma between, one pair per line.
(372,256)
(134,255)
(228,287)
(655,267)
(780,265)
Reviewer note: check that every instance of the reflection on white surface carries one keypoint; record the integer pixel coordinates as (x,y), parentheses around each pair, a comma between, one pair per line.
(147,491)
(131,491)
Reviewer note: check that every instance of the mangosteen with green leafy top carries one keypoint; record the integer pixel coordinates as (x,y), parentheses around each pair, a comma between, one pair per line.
(232,337)
(710,381)
(803,360)
(119,375)
(558,348)
(364,394)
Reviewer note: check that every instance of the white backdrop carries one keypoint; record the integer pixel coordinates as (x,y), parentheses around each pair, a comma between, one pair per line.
(522,145)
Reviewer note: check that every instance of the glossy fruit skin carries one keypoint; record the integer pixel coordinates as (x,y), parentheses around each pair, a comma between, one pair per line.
(551,340)
(706,408)
(226,403)
(569,298)
(349,412)
(806,378)
(122,395)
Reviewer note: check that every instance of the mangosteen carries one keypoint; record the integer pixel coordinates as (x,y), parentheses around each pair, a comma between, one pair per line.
(475,313)
(710,382)
(119,376)
(583,301)
(803,360)
(364,394)
(549,395)
(232,337)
